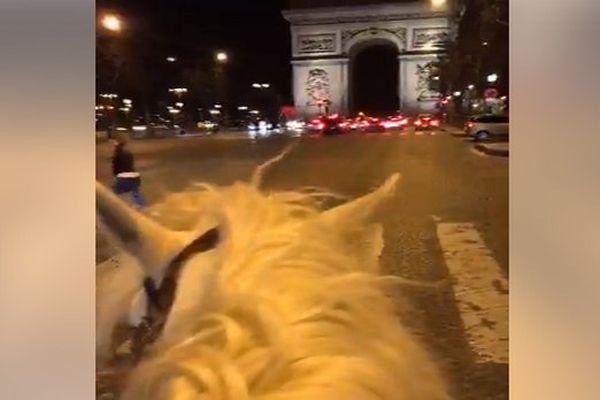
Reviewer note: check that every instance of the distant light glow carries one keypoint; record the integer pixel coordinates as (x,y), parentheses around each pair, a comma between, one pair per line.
(256,85)
(254,112)
(218,106)
(266,85)
(139,128)
(438,3)
(221,56)
(171,59)
(242,108)
(457,93)
(179,104)
(111,22)
(174,111)
(491,78)
(214,112)
(471,87)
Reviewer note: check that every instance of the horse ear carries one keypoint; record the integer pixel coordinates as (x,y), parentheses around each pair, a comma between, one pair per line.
(356,220)
(362,210)
(151,243)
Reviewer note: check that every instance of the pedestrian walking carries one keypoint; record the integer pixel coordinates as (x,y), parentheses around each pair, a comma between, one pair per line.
(127,179)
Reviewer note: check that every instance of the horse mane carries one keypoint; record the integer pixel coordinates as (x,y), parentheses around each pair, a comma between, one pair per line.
(292,320)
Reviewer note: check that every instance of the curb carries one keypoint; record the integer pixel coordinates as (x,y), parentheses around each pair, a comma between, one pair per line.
(491,152)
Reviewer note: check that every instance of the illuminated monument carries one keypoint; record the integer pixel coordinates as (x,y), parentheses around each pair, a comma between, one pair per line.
(326,40)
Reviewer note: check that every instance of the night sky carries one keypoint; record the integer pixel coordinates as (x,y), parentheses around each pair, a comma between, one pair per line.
(255,35)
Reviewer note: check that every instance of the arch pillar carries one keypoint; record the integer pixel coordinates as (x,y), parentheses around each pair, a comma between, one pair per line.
(321,79)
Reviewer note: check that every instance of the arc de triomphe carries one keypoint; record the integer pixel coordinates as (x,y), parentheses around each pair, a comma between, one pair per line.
(325,41)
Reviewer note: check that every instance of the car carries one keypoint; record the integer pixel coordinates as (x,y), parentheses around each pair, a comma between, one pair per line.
(330,125)
(262,128)
(485,126)
(156,128)
(426,121)
(395,122)
(207,126)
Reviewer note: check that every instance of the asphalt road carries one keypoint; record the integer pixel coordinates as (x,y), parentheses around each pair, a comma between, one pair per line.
(448,221)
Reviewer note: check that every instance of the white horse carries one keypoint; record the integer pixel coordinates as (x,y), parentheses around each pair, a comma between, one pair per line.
(266,297)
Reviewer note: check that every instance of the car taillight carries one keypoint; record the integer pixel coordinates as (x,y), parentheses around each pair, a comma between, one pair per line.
(469,124)
(418,122)
(320,126)
(435,122)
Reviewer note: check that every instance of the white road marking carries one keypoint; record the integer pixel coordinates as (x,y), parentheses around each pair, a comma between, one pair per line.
(480,290)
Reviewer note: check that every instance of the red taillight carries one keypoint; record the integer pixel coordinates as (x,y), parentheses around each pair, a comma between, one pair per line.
(320,126)
(418,122)
(470,124)
(435,122)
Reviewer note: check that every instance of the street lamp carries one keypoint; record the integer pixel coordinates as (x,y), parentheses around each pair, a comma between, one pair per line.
(492,78)
(111,22)
(221,57)
(178,91)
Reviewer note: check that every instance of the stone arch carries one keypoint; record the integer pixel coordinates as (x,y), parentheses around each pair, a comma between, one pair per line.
(354,48)
(357,39)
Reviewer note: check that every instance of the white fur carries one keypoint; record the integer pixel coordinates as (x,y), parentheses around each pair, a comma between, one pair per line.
(289,306)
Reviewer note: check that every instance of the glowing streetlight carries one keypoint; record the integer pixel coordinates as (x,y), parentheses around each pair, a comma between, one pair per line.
(243,108)
(171,59)
(256,85)
(178,91)
(457,93)
(436,78)
(221,57)
(179,105)
(471,87)
(218,106)
(491,78)
(111,22)
(265,85)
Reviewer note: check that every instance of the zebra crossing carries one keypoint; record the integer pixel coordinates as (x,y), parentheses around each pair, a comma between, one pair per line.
(480,290)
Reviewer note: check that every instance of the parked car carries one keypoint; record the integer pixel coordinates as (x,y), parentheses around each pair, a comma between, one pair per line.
(486,126)
(426,121)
